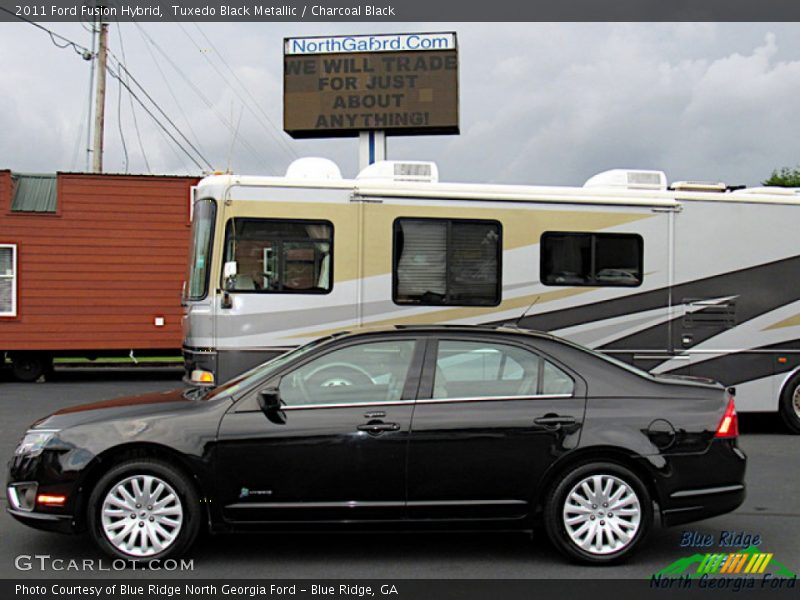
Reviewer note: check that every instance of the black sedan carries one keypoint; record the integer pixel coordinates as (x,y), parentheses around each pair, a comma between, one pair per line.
(395,428)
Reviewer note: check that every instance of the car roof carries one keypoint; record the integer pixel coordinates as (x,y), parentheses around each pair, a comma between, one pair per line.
(503,328)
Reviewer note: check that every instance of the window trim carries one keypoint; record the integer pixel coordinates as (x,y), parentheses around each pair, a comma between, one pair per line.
(448,221)
(331,280)
(495,398)
(14,312)
(593,235)
(211,239)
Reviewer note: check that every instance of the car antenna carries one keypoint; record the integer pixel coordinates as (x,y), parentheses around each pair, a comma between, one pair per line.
(522,316)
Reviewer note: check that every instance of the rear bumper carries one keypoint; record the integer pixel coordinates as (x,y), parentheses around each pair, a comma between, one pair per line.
(695,487)
(702,503)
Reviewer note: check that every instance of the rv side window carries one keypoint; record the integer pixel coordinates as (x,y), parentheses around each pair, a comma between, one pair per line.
(279,256)
(591,259)
(447,262)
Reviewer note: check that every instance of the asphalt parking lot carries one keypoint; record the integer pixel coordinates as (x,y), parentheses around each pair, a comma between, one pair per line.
(771,511)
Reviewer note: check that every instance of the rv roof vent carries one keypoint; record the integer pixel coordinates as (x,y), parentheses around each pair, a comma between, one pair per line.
(629,179)
(402,170)
(699,186)
(769,191)
(312,167)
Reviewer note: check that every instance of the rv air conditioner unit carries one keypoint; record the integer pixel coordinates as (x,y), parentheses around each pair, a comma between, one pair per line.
(629,179)
(699,186)
(318,169)
(401,170)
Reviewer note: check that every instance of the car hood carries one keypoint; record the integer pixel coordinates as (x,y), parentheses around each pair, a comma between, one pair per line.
(131,406)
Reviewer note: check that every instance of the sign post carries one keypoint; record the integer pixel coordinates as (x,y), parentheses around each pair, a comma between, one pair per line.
(371,147)
(370,87)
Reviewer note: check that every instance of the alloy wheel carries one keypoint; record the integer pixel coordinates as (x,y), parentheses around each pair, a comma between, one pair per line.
(141,515)
(602,514)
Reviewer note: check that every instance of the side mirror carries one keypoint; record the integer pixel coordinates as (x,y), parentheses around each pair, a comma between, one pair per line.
(269,400)
(229,272)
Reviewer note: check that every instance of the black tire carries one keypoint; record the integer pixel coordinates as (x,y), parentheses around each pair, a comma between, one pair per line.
(557,498)
(180,483)
(789,407)
(29,366)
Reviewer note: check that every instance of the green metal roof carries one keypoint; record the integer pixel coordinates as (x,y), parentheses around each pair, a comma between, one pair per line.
(33,193)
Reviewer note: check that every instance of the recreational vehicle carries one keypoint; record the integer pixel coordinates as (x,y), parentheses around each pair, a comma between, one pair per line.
(688,279)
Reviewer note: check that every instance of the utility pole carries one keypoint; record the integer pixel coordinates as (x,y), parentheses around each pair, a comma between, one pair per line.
(100,100)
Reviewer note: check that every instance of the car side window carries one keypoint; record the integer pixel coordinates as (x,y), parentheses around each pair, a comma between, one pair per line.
(555,381)
(367,372)
(466,369)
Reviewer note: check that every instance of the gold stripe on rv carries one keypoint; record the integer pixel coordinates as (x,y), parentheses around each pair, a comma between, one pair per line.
(445,315)
(790,322)
(521,227)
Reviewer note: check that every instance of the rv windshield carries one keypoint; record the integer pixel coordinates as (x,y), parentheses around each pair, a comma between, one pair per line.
(200,252)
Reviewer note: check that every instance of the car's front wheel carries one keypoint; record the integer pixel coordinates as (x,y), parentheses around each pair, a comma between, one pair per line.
(144,509)
(598,513)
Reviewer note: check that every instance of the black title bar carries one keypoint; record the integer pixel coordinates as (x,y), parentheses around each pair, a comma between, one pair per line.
(388,11)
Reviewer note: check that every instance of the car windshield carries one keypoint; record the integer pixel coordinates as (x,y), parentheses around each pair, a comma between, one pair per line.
(262,371)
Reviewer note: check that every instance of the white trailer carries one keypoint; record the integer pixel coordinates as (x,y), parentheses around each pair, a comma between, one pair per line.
(689,278)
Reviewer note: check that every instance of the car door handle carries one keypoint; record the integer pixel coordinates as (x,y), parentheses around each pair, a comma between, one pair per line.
(551,420)
(378,428)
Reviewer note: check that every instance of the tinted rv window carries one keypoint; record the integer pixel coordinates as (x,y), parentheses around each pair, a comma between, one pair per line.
(591,259)
(279,256)
(205,212)
(447,262)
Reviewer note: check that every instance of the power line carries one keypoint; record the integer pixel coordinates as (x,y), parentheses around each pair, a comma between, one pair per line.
(119,116)
(119,124)
(133,110)
(205,100)
(268,128)
(152,116)
(164,114)
(82,51)
(89,55)
(172,93)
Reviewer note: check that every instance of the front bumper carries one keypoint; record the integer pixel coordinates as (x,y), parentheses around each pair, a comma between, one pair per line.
(44,474)
(44,521)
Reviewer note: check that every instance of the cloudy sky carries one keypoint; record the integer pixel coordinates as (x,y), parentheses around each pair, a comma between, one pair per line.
(540,103)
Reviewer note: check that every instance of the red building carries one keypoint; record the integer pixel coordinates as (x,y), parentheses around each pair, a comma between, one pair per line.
(90,265)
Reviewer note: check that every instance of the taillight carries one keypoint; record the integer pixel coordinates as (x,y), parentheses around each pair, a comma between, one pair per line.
(729,425)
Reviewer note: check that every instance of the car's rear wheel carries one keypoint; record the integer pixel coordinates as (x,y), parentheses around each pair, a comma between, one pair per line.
(790,405)
(598,513)
(144,509)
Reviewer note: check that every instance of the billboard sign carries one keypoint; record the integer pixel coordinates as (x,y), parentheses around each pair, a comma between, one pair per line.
(403,84)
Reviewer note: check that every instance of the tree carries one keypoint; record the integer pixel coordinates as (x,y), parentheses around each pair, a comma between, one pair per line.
(784,177)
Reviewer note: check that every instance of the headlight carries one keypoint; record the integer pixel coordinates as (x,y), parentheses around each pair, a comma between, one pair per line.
(34,442)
